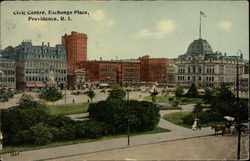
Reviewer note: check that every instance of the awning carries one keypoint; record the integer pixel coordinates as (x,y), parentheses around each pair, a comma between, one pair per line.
(104,85)
(30,84)
(40,84)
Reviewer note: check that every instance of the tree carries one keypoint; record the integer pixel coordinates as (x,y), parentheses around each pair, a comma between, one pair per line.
(192,91)
(41,134)
(117,94)
(143,116)
(51,94)
(179,92)
(27,114)
(4,96)
(90,94)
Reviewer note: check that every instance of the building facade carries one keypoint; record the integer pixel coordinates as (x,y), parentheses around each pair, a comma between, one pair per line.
(7,73)
(205,68)
(155,69)
(76,51)
(36,65)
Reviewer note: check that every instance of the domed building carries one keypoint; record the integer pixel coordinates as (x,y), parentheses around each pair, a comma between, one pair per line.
(205,68)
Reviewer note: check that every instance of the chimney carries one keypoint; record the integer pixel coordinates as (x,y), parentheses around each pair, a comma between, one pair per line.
(48,44)
(241,56)
(42,44)
(100,58)
(225,54)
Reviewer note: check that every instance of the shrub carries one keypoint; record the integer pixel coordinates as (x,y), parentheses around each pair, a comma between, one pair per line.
(143,115)
(116,94)
(188,119)
(179,92)
(94,129)
(171,99)
(41,134)
(192,92)
(22,117)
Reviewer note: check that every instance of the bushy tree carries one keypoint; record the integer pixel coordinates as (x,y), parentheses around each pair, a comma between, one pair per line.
(22,117)
(4,96)
(41,134)
(142,116)
(116,94)
(179,92)
(192,91)
(51,94)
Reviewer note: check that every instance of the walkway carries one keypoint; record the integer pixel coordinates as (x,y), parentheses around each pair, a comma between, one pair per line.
(176,133)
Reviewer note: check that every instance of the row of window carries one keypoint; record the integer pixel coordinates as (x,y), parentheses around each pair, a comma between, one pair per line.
(45,64)
(9,72)
(41,79)
(7,65)
(44,71)
(7,79)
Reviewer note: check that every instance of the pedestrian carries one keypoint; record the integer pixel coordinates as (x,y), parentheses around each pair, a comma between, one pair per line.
(73,101)
(194,126)
(88,100)
(198,124)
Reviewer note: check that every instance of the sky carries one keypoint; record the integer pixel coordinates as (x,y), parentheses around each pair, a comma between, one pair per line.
(132,29)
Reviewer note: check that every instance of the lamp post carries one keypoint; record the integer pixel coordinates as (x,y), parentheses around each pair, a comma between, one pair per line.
(128,116)
(238,106)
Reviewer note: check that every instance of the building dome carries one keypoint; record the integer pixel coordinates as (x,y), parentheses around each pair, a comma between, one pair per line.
(199,46)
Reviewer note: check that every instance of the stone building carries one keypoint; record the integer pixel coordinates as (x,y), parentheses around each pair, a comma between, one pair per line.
(205,68)
(35,63)
(7,73)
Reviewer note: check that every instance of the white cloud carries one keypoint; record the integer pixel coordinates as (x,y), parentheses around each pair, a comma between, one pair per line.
(162,28)
(225,25)
(144,33)
(165,27)
(100,17)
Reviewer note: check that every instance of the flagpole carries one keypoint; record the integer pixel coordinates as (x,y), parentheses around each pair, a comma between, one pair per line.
(200,26)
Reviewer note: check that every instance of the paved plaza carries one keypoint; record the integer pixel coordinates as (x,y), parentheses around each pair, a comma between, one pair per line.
(204,148)
(69,97)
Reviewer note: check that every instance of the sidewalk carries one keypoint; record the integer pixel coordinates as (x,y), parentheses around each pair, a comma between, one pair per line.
(176,133)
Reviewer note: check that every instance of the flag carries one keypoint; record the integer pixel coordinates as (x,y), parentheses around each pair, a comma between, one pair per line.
(203,14)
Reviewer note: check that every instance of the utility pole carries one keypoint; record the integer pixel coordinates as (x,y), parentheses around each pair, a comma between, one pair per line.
(238,107)
(128,117)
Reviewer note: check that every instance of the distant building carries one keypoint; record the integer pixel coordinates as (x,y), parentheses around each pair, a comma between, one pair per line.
(205,68)
(123,72)
(7,73)
(76,51)
(34,65)
(155,69)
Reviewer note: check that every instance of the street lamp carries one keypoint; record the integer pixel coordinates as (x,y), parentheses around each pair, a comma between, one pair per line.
(238,106)
(128,116)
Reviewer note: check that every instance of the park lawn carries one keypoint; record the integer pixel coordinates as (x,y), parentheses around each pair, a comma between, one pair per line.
(175,118)
(186,100)
(68,109)
(162,99)
(8,149)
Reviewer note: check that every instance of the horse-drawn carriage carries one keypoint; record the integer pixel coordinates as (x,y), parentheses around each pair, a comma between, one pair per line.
(231,127)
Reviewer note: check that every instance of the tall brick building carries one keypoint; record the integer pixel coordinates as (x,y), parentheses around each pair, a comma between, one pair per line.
(76,51)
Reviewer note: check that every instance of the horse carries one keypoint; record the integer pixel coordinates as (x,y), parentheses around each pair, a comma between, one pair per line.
(218,128)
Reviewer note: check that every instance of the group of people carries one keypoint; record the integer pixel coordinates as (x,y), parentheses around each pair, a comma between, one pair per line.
(196,124)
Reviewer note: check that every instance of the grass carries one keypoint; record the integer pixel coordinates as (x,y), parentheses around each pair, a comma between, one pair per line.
(176,118)
(8,149)
(162,99)
(186,100)
(68,109)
